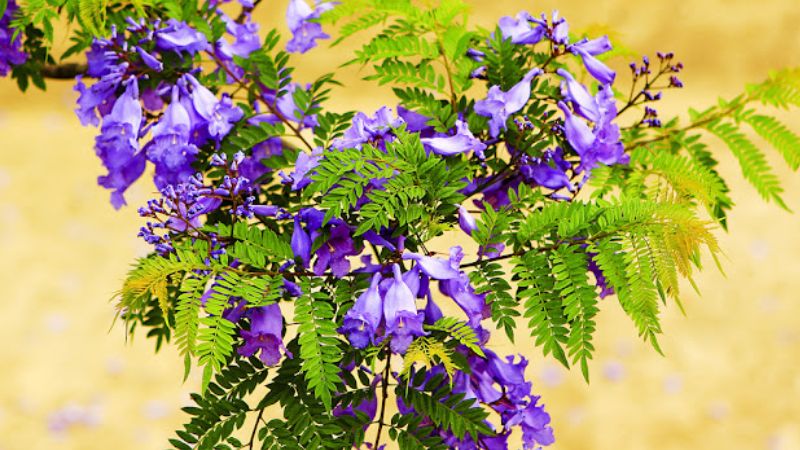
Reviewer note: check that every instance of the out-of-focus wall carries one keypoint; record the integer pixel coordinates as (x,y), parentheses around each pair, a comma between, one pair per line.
(730,379)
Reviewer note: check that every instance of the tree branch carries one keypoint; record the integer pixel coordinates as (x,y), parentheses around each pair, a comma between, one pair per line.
(385,393)
(63,71)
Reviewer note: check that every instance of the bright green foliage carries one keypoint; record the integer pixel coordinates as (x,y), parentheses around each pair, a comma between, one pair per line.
(755,167)
(222,409)
(433,399)
(419,190)
(460,331)
(319,341)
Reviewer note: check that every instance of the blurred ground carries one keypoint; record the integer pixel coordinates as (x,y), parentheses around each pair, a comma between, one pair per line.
(730,379)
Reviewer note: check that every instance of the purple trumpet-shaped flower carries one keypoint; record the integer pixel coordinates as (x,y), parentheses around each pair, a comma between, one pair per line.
(473,305)
(535,424)
(362,320)
(461,142)
(595,67)
(432,311)
(583,102)
(150,60)
(170,149)
(218,116)
(466,221)
(334,252)
(305,32)
(403,322)
(500,105)
(549,171)
(436,268)
(118,144)
(245,35)
(303,167)
(519,29)
(368,129)
(265,334)
(301,243)
(179,37)
(578,133)
(510,375)
(593,47)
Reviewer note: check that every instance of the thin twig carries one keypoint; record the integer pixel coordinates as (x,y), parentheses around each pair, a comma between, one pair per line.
(385,393)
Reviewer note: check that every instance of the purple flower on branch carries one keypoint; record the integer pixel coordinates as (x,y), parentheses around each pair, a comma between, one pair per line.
(362,320)
(403,322)
(265,334)
(500,105)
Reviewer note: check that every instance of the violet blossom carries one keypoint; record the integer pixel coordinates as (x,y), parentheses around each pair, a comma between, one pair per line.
(265,334)
(300,20)
(500,105)
(403,322)
(362,320)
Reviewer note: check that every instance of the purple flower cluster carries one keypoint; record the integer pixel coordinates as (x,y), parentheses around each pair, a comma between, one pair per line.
(11,53)
(193,115)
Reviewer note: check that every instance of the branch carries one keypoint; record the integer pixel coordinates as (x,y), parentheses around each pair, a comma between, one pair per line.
(385,393)
(63,71)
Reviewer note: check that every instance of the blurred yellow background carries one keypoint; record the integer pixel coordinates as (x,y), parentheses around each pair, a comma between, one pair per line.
(731,376)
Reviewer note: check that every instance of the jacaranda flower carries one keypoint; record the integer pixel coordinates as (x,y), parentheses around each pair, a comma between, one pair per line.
(265,334)
(500,105)
(518,29)
(305,32)
(403,322)
(179,37)
(301,243)
(461,142)
(170,149)
(118,144)
(362,320)
(11,53)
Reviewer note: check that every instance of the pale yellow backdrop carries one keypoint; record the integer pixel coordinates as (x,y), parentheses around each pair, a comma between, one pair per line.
(731,377)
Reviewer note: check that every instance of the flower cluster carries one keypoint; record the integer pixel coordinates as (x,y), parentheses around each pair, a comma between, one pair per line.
(11,53)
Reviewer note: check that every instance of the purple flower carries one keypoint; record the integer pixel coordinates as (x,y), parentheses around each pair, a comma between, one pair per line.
(118,144)
(11,53)
(245,35)
(510,375)
(500,105)
(334,252)
(593,47)
(577,132)
(301,243)
(432,311)
(583,102)
(362,320)
(473,305)
(217,115)
(150,60)
(170,149)
(595,67)
(402,320)
(461,142)
(549,171)
(466,221)
(179,37)
(436,268)
(368,129)
(265,334)
(535,424)
(305,164)
(519,29)
(252,166)
(305,32)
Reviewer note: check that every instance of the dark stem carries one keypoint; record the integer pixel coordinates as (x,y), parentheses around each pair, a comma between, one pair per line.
(245,11)
(385,394)
(255,427)
(63,71)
